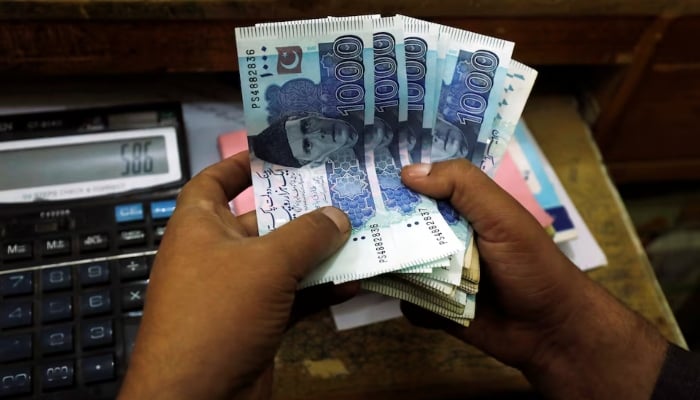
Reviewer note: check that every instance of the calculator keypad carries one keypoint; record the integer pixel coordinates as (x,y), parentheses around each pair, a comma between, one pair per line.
(70,313)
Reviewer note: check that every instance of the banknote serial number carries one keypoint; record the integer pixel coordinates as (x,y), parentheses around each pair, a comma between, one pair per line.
(432,226)
(253,84)
(376,235)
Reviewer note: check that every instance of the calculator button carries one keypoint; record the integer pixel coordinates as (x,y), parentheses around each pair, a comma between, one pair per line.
(94,242)
(55,247)
(133,297)
(17,251)
(56,278)
(15,347)
(158,233)
(132,237)
(133,268)
(57,340)
(57,375)
(16,283)
(97,369)
(15,314)
(56,308)
(15,380)
(46,227)
(96,333)
(94,273)
(131,328)
(162,209)
(128,212)
(97,302)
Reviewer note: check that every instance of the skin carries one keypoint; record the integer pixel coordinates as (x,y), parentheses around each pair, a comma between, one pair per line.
(235,295)
(537,311)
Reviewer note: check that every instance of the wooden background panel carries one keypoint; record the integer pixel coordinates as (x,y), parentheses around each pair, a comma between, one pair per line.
(660,121)
(250,9)
(90,47)
(679,44)
(571,41)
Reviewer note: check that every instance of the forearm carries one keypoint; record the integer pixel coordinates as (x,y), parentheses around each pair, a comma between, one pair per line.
(603,351)
(680,376)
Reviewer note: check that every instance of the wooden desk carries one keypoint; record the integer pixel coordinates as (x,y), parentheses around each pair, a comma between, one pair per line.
(394,360)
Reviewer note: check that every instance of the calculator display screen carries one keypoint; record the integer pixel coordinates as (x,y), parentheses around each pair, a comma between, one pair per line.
(87,165)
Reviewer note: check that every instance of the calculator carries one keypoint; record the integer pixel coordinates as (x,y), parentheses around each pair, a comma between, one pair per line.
(85,196)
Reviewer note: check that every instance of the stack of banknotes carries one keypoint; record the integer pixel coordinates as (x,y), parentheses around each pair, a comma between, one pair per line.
(335,107)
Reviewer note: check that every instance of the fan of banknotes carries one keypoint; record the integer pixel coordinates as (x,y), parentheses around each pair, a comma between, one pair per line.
(335,107)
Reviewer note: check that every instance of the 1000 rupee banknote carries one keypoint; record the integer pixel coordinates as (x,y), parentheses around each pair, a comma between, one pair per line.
(307,91)
(415,219)
(516,90)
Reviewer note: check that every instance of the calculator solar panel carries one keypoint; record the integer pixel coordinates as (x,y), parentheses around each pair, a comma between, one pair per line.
(85,197)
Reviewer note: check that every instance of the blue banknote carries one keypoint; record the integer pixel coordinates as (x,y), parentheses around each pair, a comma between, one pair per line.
(472,69)
(421,73)
(304,92)
(516,90)
(308,92)
(473,75)
(416,222)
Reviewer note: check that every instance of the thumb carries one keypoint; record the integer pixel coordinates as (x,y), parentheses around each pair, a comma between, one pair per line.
(303,243)
(493,213)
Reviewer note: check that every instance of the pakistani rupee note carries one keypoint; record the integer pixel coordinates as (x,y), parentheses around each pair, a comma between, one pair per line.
(308,116)
(517,87)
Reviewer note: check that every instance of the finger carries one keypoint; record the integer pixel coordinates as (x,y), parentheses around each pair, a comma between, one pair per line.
(306,241)
(477,333)
(473,194)
(249,222)
(314,299)
(219,182)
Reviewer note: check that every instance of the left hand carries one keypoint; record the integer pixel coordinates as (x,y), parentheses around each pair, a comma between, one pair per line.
(220,297)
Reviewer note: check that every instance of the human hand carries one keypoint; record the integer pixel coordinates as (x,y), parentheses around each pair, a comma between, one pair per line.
(220,298)
(536,310)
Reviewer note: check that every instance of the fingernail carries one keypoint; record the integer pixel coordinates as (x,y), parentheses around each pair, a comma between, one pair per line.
(338,217)
(418,169)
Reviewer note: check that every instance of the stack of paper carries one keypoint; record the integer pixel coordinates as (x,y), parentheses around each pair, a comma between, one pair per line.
(335,108)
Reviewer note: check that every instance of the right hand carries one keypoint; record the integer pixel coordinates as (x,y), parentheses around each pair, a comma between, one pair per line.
(536,310)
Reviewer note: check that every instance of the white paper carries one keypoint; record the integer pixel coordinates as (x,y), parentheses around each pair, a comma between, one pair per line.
(365,309)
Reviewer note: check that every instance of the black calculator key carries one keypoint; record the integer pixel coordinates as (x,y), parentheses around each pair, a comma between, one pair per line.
(132,237)
(56,308)
(15,347)
(57,340)
(96,302)
(58,374)
(15,314)
(97,333)
(133,268)
(98,368)
(56,278)
(15,380)
(16,283)
(133,296)
(56,246)
(17,251)
(94,273)
(158,233)
(94,242)
(131,328)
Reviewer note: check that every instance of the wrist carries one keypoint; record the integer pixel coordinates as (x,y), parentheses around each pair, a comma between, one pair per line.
(601,350)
